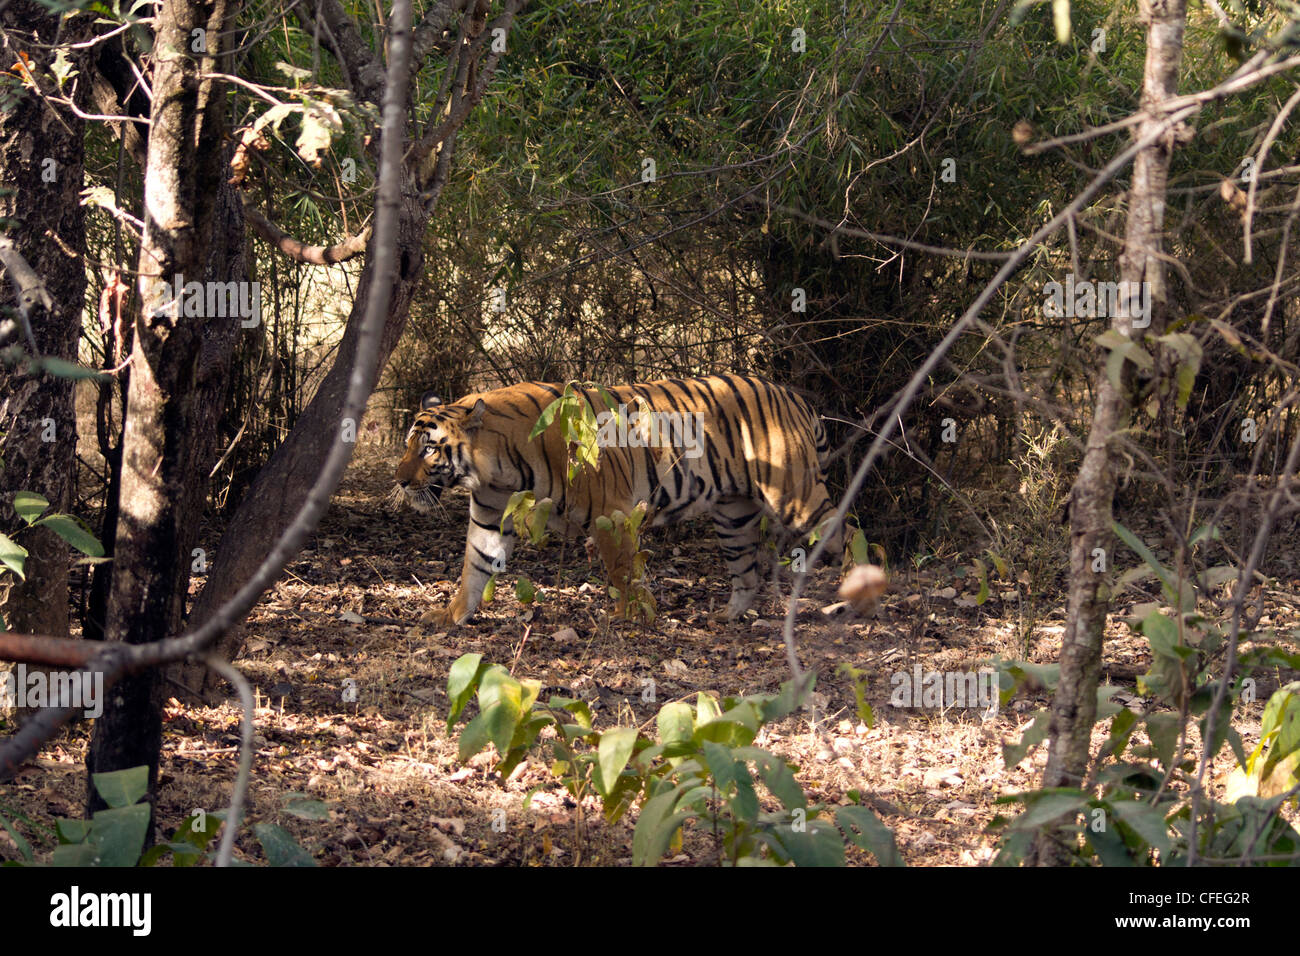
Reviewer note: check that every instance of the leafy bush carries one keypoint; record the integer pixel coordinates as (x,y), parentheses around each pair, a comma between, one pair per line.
(1140,799)
(116,836)
(31,508)
(702,767)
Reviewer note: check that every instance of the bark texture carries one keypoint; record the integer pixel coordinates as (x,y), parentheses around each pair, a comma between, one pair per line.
(1074,707)
(41,170)
(193,230)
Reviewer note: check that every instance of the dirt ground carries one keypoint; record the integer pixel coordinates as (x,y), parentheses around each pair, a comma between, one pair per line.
(349,608)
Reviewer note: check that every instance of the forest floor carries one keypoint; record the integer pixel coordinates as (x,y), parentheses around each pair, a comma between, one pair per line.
(349,607)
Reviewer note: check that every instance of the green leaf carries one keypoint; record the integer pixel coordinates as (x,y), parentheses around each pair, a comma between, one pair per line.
(524,590)
(579,708)
(500,698)
(721,764)
(779,779)
(1163,729)
(74,532)
(461,679)
(1189,354)
(12,555)
(280,848)
(117,835)
(675,723)
(24,848)
(998,563)
(1167,582)
(473,738)
(1121,729)
(1032,736)
(183,854)
(818,843)
(121,788)
(61,368)
(1234,741)
(545,418)
(73,854)
(1147,821)
(501,719)
(1281,714)
(197,836)
(29,505)
(745,803)
(786,702)
(706,708)
(1047,807)
(72,831)
(866,831)
(657,824)
(858,546)
(1110,847)
(1162,635)
(612,756)
(611,403)
(308,809)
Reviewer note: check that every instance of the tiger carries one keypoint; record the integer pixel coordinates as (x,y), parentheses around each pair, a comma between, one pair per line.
(738,448)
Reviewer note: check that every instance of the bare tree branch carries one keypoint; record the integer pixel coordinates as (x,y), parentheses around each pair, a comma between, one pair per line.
(361,70)
(230,673)
(298,251)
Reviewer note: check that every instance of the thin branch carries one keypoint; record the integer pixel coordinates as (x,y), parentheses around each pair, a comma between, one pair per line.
(363,73)
(298,251)
(1264,147)
(231,673)
(838,230)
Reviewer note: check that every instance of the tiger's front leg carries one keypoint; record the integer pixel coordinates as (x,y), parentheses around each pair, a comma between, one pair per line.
(486,551)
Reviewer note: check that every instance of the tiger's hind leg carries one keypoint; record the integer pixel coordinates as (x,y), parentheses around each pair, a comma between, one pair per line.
(736,520)
(815,516)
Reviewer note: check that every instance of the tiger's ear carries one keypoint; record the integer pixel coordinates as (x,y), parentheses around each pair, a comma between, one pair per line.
(474,417)
(429,400)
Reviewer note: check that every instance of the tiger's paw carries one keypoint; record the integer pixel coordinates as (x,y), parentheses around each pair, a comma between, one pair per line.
(735,608)
(441,618)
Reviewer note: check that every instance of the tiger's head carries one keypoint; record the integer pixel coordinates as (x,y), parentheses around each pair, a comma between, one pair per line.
(438,451)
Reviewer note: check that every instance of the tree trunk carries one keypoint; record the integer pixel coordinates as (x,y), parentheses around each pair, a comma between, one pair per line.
(193,231)
(41,170)
(275,495)
(1074,707)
